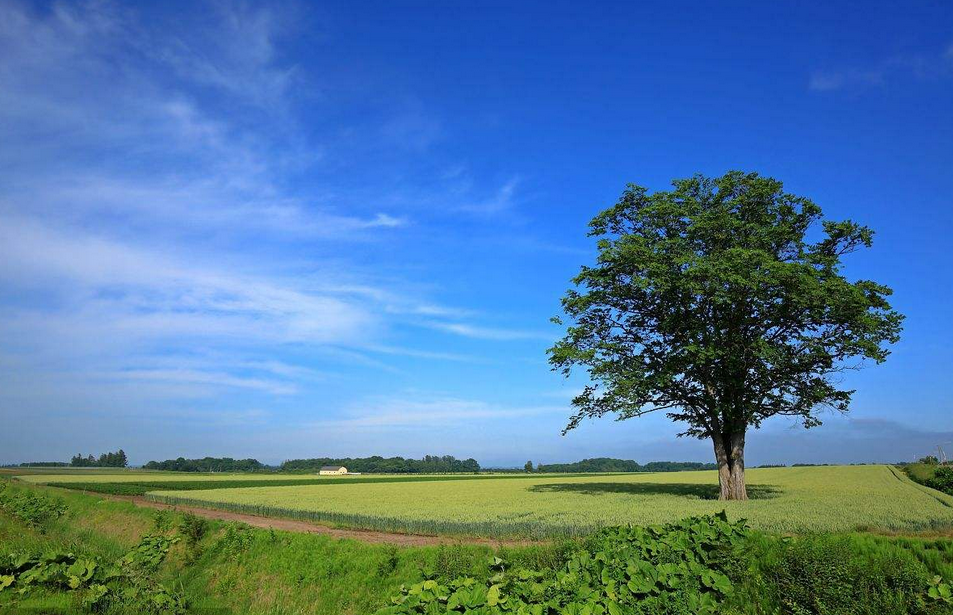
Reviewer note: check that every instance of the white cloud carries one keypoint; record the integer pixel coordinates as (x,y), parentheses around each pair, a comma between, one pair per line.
(188,376)
(421,354)
(437,412)
(923,66)
(243,56)
(80,100)
(172,241)
(823,81)
(385,221)
(154,293)
(487,333)
(499,202)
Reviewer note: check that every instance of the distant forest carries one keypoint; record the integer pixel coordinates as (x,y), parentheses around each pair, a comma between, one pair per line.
(606,464)
(430,464)
(106,460)
(207,464)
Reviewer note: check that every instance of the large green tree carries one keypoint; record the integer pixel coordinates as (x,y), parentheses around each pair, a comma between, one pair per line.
(721,303)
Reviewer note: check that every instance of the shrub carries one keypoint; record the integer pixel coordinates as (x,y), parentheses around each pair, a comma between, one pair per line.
(236,539)
(126,584)
(942,479)
(697,566)
(193,528)
(33,508)
(162,519)
(678,568)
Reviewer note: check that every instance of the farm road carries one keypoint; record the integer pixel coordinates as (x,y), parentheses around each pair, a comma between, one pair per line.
(292,525)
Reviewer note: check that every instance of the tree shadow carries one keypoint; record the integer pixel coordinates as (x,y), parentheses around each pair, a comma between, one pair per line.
(688,490)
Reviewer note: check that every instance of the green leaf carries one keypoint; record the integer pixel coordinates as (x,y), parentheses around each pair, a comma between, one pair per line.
(721,583)
(493,595)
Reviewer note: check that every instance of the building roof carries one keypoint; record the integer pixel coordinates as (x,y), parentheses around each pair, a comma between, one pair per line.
(323,468)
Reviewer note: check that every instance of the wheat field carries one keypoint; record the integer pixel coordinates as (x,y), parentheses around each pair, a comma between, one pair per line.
(787,500)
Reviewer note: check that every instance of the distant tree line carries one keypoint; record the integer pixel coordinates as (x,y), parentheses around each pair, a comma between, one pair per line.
(106,460)
(41,464)
(606,464)
(207,464)
(429,464)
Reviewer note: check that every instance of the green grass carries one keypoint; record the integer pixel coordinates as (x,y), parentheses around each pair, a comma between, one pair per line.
(785,500)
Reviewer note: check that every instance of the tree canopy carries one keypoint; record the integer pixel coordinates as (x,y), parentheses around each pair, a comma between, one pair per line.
(105,460)
(429,464)
(721,303)
(206,464)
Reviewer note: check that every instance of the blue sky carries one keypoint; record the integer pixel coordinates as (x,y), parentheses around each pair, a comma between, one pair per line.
(326,229)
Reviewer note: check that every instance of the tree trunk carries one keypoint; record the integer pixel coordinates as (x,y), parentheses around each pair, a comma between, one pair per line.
(730,455)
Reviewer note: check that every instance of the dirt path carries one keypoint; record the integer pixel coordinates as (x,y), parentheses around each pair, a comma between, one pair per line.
(292,525)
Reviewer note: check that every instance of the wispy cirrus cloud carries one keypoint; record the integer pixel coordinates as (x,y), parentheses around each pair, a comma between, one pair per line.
(94,130)
(156,293)
(174,239)
(422,410)
(502,200)
(199,377)
(488,333)
(938,65)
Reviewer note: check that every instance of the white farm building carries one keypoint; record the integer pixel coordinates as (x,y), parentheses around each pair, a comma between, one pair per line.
(332,470)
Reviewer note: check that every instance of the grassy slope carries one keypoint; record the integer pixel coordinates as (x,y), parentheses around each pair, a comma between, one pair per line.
(796,500)
(257,571)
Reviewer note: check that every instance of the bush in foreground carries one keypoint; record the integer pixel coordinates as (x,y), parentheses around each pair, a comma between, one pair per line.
(677,568)
(698,566)
(124,586)
(33,508)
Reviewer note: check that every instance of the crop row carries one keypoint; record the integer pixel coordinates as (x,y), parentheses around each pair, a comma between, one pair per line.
(533,530)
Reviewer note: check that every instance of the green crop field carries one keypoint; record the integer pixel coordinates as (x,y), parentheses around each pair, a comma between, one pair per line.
(143,483)
(796,500)
(134,476)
